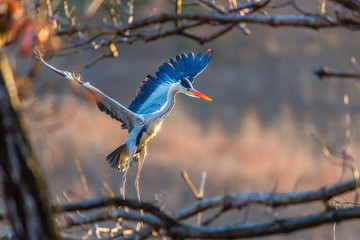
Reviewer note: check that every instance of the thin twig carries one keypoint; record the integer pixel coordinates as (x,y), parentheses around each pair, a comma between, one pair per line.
(178,6)
(208,38)
(200,196)
(98,59)
(253,6)
(189,183)
(324,72)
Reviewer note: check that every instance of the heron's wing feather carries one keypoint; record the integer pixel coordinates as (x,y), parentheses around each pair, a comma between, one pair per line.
(104,102)
(155,100)
(152,93)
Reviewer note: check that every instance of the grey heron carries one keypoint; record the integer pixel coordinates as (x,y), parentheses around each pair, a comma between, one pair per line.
(153,102)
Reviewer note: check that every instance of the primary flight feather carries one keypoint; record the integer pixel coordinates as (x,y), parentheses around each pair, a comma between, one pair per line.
(153,102)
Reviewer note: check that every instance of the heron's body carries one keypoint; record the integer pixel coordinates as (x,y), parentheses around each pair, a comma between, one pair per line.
(148,129)
(153,102)
(141,137)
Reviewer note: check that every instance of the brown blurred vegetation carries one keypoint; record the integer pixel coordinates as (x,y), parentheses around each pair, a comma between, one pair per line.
(277,157)
(255,136)
(252,158)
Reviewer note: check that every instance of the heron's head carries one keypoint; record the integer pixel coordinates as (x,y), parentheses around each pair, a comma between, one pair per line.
(187,88)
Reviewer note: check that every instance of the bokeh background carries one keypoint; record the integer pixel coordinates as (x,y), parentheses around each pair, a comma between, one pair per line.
(256,135)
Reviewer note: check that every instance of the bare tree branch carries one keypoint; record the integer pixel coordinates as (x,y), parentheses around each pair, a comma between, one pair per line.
(155,218)
(239,200)
(112,214)
(324,72)
(285,225)
(350,4)
(116,201)
(271,20)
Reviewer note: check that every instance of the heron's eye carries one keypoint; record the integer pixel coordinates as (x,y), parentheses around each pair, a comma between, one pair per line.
(188,89)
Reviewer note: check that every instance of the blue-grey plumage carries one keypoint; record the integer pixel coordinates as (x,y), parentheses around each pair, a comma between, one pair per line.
(153,102)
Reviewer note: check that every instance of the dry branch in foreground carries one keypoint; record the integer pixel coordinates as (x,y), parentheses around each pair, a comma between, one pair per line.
(157,221)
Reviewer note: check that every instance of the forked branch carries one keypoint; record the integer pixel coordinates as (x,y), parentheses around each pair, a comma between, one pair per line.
(158,221)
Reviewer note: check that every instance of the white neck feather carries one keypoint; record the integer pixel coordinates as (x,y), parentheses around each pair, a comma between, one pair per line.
(166,109)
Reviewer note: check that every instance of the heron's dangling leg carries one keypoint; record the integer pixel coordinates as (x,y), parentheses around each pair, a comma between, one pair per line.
(131,155)
(124,181)
(141,162)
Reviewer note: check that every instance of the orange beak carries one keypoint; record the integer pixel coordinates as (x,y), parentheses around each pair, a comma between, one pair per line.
(200,95)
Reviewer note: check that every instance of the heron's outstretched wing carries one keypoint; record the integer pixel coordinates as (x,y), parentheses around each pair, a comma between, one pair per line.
(104,102)
(152,94)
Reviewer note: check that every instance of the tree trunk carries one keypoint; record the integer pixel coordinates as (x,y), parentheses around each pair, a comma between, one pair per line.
(21,181)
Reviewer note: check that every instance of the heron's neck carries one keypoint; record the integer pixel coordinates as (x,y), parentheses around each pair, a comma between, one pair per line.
(165,110)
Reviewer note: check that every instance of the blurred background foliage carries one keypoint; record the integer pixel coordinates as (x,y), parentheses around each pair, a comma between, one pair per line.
(254,136)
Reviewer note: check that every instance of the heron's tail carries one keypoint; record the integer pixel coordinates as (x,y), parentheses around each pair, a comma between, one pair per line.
(118,158)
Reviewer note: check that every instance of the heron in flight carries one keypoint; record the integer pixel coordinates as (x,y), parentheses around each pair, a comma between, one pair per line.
(153,102)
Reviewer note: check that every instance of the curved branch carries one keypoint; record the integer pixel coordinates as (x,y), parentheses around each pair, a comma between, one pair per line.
(285,225)
(240,200)
(115,201)
(314,22)
(112,214)
(170,225)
